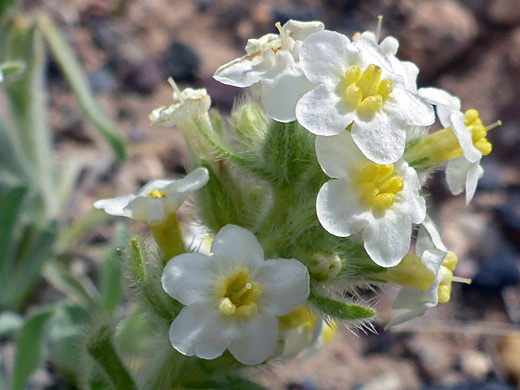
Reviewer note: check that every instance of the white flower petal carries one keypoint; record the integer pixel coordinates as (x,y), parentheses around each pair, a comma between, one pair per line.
(440,97)
(190,183)
(339,209)
(338,154)
(159,185)
(200,330)
(389,45)
(189,278)
(471,153)
(242,72)
(257,339)
(115,206)
(301,30)
(236,245)
(372,54)
(281,94)
(456,173)
(474,174)
(416,301)
(381,139)
(146,210)
(409,107)
(429,234)
(285,285)
(409,201)
(387,238)
(322,112)
(326,55)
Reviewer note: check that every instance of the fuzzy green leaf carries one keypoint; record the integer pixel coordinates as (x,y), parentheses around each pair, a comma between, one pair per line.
(77,79)
(341,310)
(28,348)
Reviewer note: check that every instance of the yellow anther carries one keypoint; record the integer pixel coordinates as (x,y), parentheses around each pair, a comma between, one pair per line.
(393,185)
(369,106)
(365,92)
(478,131)
(378,185)
(248,309)
(450,261)
(386,86)
(156,194)
(470,116)
(383,201)
(352,74)
(226,306)
(237,295)
(353,96)
(484,146)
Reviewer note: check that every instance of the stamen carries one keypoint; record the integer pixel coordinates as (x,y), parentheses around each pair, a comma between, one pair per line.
(283,36)
(242,291)
(493,125)
(378,29)
(176,90)
(458,279)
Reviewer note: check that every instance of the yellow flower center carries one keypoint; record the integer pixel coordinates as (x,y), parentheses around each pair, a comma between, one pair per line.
(236,294)
(378,185)
(365,92)
(296,318)
(156,194)
(411,272)
(443,145)
(478,131)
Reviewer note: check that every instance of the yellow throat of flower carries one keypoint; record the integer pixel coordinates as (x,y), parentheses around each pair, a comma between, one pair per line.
(443,144)
(365,92)
(411,272)
(237,294)
(378,185)
(296,318)
(156,194)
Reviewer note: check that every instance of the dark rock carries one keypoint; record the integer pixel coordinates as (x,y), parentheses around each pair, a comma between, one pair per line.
(498,269)
(102,80)
(491,181)
(204,5)
(508,216)
(302,14)
(180,62)
(307,384)
(105,35)
(145,77)
(490,385)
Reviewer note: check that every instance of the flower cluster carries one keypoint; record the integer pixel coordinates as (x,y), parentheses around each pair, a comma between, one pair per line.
(311,191)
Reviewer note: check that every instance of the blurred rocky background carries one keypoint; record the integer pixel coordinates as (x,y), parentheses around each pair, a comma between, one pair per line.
(469,47)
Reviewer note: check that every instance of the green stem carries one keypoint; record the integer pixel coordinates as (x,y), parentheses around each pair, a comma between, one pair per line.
(151,294)
(103,352)
(168,237)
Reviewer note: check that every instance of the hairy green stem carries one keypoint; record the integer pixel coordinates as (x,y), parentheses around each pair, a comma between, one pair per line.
(100,348)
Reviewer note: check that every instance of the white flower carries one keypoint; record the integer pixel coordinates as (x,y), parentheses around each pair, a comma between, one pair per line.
(380,201)
(272,66)
(157,200)
(300,329)
(357,87)
(426,280)
(187,104)
(462,172)
(233,298)
(406,69)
